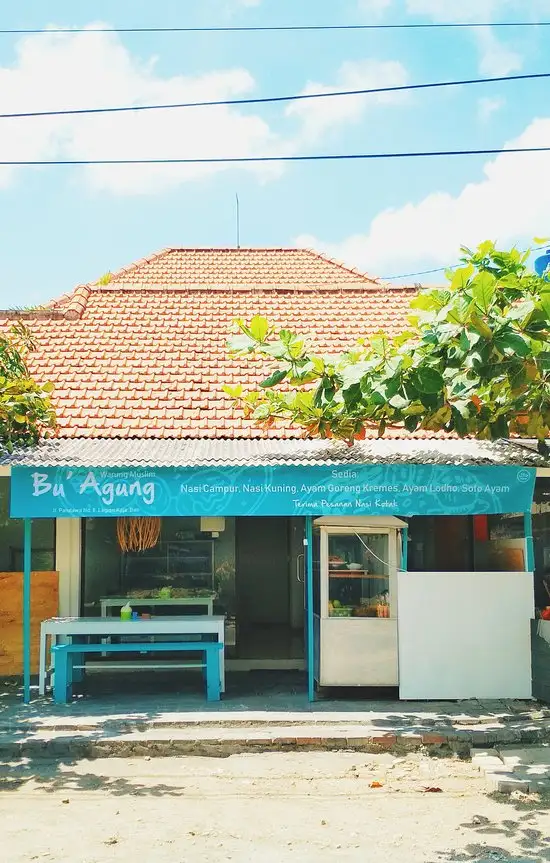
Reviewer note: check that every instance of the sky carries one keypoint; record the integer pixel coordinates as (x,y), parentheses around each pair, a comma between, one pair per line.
(63,226)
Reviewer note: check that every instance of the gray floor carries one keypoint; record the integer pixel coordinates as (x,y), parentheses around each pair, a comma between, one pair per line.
(270,642)
(283,693)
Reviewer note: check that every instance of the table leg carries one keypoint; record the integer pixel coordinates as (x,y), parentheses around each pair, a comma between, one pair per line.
(62,687)
(78,672)
(221,660)
(212,677)
(42,662)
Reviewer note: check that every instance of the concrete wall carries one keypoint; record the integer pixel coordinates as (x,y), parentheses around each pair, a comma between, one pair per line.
(67,563)
(541,663)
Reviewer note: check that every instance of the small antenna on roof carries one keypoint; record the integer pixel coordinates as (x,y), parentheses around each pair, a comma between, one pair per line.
(238,220)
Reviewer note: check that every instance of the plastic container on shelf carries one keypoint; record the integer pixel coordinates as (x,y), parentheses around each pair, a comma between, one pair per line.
(126,612)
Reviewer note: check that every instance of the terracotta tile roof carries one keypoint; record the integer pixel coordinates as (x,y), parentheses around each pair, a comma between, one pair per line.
(131,360)
(213,267)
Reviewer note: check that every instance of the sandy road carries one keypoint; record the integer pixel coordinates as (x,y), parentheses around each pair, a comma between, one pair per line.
(269,808)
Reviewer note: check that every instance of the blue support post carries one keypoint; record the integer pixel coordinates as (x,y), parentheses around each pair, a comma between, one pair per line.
(405,549)
(309,608)
(27,547)
(529,550)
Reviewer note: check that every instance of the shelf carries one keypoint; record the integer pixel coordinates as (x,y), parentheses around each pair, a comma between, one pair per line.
(353,573)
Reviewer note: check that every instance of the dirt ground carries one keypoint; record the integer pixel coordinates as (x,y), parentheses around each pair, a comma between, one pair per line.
(268,808)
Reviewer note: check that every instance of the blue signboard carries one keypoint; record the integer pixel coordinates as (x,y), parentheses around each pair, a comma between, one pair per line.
(400,490)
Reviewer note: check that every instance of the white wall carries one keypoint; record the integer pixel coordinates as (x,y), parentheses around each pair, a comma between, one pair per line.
(465,634)
(67,563)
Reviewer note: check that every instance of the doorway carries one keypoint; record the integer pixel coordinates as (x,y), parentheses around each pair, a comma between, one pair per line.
(270,592)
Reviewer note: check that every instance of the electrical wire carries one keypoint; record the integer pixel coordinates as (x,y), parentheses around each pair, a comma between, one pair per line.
(438,269)
(292,28)
(236,160)
(421,273)
(267,99)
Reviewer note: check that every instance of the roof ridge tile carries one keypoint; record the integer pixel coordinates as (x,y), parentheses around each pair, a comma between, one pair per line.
(337,263)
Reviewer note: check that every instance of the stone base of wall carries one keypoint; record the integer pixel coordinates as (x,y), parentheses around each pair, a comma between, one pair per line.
(541,662)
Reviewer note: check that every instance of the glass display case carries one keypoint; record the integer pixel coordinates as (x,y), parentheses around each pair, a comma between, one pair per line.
(184,564)
(358,575)
(355,567)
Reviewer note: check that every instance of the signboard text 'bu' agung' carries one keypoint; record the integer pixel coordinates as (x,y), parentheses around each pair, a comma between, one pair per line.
(279,490)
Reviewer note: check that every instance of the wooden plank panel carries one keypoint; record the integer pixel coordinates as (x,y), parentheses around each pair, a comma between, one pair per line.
(44,604)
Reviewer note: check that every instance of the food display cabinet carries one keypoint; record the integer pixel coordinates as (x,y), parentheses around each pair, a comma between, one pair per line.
(355,564)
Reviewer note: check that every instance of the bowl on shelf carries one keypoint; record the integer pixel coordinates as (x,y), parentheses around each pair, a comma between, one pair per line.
(355,567)
(343,611)
(334,565)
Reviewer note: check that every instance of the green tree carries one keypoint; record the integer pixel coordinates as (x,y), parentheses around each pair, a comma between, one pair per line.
(26,413)
(474,360)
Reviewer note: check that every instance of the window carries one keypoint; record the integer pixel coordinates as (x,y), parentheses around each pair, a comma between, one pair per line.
(11,538)
(184,562)
(358,575)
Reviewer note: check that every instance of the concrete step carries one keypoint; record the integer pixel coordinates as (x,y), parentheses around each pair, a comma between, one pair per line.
(508,769)
(215,741)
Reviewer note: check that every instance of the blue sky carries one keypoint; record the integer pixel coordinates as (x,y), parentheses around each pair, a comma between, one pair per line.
(63,226)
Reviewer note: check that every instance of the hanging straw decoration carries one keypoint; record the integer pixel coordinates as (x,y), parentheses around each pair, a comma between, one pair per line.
(137,533)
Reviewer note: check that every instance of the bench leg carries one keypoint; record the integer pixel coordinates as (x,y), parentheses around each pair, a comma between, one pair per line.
(62,685)
(77,674)
(213,684)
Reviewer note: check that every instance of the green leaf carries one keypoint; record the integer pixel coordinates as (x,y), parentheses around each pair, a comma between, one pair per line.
(545,302)
(483,290)
(379,344)
(277,349)
(411,423)
(509,341)
(296,348)
(485,249)
(354,373)
(460,423)
(425,302)
(274,379)
(238,344)
(461,277)
(234,392)
(262,412)
(259,328)
(428,380)
(521,311)
(397,401)
(541,241)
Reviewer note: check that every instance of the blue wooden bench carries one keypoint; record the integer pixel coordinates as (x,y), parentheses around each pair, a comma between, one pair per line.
(68,661)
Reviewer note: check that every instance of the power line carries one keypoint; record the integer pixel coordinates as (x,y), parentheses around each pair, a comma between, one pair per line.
(421,273)
(247,159)
(437,269)
(263,100)
(274,28)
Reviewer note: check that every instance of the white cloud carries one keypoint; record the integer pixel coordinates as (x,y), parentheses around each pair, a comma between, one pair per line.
(510,204)
(487,106)
(466,10)
(374,7)
(476,10)
(496,58)
(320,115)
(96,70)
